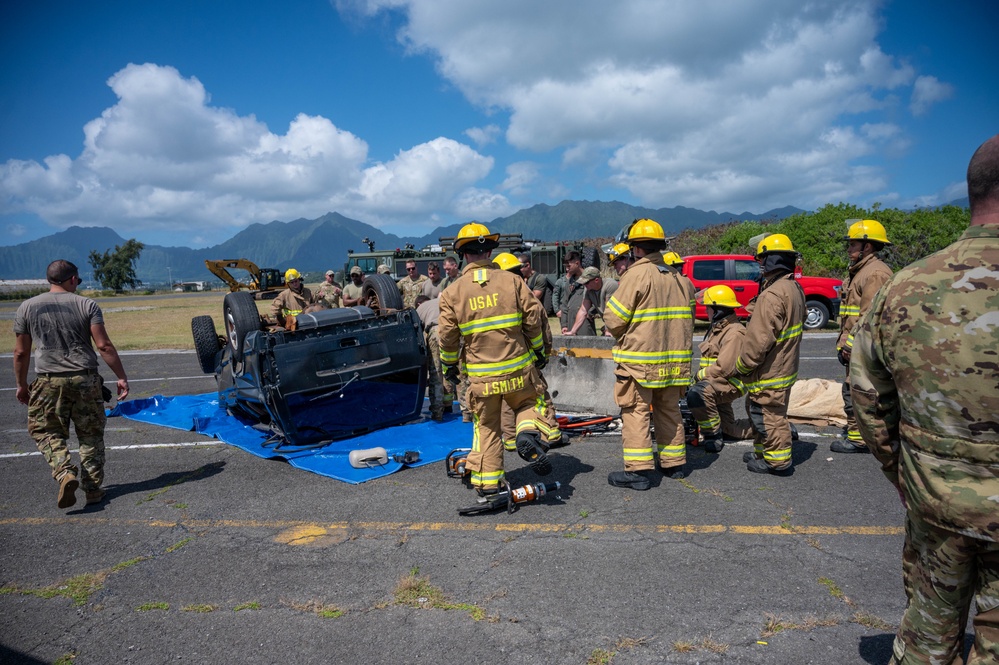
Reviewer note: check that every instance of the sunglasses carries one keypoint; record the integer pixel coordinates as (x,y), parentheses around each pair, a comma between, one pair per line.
(410,269)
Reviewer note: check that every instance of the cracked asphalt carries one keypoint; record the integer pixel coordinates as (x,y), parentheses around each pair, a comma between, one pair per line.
(724,566)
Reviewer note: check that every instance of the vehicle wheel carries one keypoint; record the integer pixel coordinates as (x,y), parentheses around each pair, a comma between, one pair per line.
(591,257)
(380,293)
(816,315)
(206,343)
(241,317)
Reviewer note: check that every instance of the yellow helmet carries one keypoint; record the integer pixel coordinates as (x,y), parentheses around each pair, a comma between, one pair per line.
(507,261)
(477,233)
(672,259)
(775,242)
(644,230)
(718,295)
(291,274)
(618,251)
(867,229)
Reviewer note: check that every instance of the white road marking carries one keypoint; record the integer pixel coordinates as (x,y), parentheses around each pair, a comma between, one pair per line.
(187,444)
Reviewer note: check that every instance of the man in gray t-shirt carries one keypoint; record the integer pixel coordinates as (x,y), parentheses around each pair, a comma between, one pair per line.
(67,386)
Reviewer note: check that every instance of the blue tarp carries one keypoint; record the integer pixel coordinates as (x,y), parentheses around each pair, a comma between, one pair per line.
(202,414)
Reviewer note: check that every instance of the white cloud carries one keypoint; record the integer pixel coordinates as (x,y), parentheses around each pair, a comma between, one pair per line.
(483,136)
(163,156)
(520,177)
(928,90)
(714,103)
(15,230)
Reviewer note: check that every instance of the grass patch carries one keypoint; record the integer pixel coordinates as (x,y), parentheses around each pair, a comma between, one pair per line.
(161,323)
(704,644)
(200,609)
(66,658)
(778,624)
(416,591)
(252,605)
(689,485)
(179,506)
(176,546)
(600,657)
(834,590)
(146,607)
(584,514)
(870,621)
(319,609)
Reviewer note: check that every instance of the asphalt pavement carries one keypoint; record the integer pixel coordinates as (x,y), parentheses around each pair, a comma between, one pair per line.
(204,553)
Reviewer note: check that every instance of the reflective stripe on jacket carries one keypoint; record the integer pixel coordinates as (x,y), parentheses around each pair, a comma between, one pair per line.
(866,279)
(651,320)
(498,318)
(768,360)
(720,351)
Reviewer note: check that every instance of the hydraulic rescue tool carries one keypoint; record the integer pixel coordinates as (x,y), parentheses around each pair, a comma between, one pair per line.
(510,497)
(455,462)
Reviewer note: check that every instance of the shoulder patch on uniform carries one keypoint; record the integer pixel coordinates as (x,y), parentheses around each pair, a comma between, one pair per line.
(480,276)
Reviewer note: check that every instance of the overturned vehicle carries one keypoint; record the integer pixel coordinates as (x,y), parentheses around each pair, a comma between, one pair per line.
(339,373)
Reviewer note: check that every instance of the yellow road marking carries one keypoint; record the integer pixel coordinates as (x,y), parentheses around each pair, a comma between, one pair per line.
(585,353)
(298,531)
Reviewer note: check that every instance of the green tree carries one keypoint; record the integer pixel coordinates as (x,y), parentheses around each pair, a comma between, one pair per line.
(116,269)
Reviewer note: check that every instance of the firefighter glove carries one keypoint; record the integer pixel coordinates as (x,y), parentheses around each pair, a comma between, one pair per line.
(452,374)
(540,361)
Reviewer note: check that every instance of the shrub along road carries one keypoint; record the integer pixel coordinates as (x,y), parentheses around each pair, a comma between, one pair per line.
(205,553)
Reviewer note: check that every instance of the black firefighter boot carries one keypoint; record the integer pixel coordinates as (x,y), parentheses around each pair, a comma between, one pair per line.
(713,443)
(530,450)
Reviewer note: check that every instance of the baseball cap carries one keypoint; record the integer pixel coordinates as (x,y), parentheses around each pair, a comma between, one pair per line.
(330,272)
(384,270)
(356,270)
(588,274)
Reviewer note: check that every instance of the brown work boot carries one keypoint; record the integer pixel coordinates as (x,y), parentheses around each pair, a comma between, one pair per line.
(67,491)
(95,496)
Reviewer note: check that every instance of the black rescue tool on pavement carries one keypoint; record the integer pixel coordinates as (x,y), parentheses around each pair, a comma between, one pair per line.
(510,497)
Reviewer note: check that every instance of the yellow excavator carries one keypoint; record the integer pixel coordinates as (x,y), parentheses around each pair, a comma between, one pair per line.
(264,284)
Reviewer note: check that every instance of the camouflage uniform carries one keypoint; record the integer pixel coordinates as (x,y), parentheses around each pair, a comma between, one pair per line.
(440,391)
(410,288)
(57,401)
(925,381)
(866,278)
(328,292)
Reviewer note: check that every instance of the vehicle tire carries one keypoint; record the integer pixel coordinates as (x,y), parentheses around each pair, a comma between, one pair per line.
(816,315)
(241,317)
(380,293)
(591,257)
(206,343)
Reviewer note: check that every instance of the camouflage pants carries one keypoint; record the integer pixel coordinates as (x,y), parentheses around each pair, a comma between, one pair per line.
(943,571)
(440,391)
(640,407)
(54,403)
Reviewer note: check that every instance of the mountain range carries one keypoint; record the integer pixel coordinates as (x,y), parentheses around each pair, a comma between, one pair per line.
(312,245)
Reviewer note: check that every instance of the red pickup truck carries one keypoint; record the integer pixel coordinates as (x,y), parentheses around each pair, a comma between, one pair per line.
(740,271)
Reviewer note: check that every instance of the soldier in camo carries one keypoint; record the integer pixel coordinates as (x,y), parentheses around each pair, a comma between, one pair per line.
(329,291)
(925,383)
(67,388)
(411,285)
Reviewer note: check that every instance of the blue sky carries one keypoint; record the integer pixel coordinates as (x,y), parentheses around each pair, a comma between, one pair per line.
(180,122)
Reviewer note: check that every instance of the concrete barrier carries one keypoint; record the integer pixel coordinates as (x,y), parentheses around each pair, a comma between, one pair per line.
(580,375)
